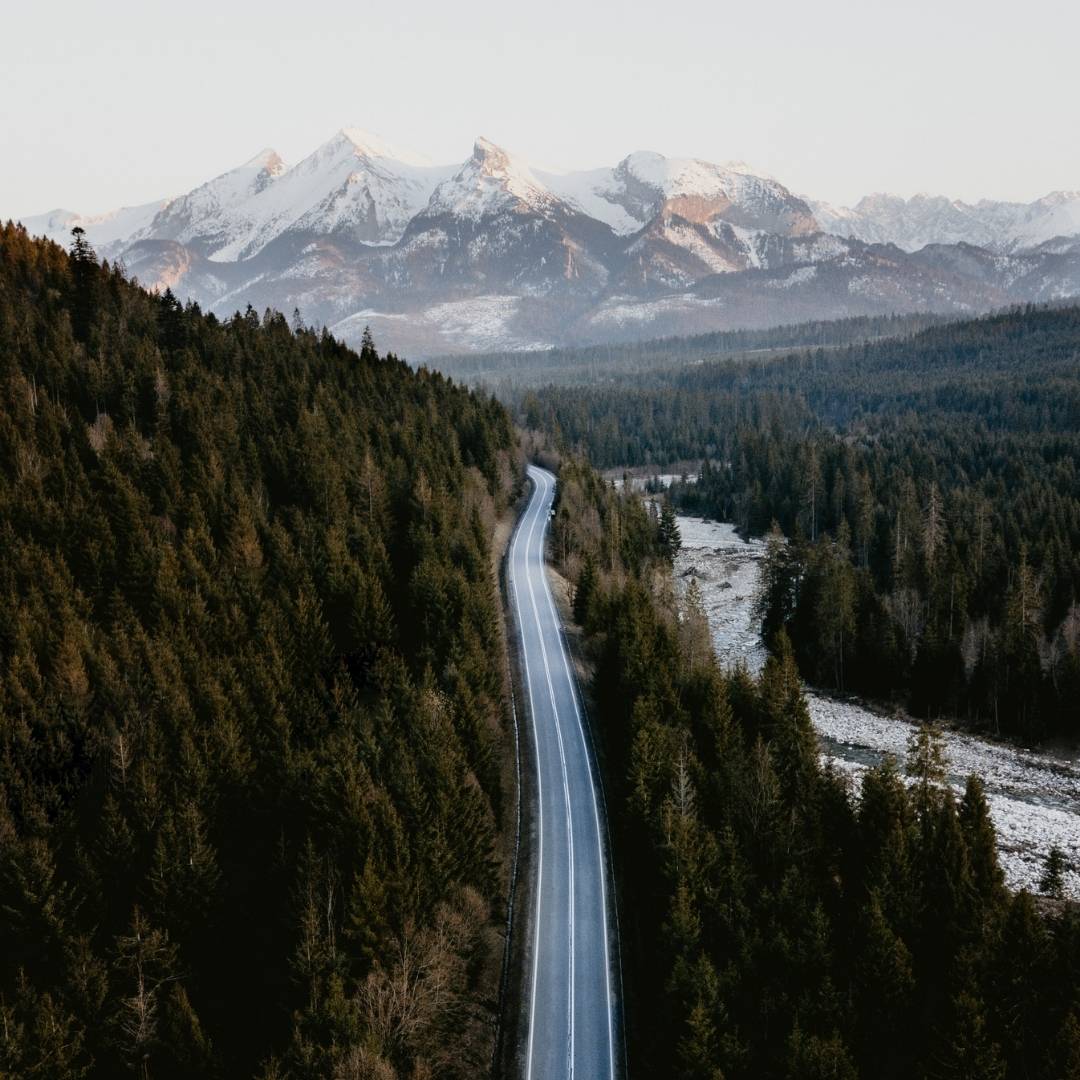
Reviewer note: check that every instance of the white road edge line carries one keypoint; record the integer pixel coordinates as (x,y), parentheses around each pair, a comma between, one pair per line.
(541,563)
(596,818)
(539,788)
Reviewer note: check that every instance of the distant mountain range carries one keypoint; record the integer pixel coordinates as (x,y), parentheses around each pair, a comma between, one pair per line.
(494,254)
(932,219)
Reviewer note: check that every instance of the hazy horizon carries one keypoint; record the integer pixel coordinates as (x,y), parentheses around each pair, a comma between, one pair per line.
(144,105)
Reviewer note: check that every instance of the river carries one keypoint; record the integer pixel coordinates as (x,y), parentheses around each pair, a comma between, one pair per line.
(1034,797)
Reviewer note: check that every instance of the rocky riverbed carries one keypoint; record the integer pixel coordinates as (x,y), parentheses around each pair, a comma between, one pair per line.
(1034,797)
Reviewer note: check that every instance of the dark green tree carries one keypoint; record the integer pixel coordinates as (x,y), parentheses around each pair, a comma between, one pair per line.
(670,537)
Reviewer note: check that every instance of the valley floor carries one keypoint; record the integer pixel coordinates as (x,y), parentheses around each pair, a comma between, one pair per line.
(1034,797)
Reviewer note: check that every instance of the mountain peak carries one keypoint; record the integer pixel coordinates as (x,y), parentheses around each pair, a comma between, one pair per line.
(367,144)
(649,162)
(489,157)
(1057,198)
(490,181)
(366,222)
(267,159)
(686,176)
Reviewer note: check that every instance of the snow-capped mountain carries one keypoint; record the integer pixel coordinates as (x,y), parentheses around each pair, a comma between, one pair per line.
(490,182)
(105,231)
(213,214)
(493,252)
(355,186)
(644,185)
(933,219)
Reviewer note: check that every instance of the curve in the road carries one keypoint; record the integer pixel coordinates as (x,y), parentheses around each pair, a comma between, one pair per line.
(571,1012)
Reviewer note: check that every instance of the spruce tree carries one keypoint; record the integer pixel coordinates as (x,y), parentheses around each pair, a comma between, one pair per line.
(981,841)
(84,281)
(670,537)
(926,762)
(1052,881)
(585,590)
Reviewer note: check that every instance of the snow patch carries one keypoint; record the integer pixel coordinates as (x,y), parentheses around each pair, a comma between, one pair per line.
(481,322)
(622,312)
(797,277)
(689,239)
(592,192)
(102,230)
(1034,798)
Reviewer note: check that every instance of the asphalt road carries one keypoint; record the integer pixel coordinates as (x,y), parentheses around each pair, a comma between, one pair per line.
(569,988)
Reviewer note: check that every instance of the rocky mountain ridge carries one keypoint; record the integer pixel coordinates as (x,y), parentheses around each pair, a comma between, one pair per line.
(493,253)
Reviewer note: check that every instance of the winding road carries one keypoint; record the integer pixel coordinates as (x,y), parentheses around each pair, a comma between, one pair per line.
(569,992)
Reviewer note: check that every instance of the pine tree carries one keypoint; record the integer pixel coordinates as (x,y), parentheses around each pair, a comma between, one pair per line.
(694,634)
(777,597)
(926,762)
(585,590)
(146,964)
(884,981)
(969,1052)
(793,744)
(670,537)
(812,1057)
(367,345)
(39,1037)
(1063,1058)
(84,280)
(981,841)
(1052,881)
(186,1049)
(209,533)
(834,606)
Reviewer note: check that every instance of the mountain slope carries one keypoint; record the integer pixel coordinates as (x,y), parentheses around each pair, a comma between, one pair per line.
(354,186)
(927,219)
(251,698)
(105,231)
(493,253)
(208,217)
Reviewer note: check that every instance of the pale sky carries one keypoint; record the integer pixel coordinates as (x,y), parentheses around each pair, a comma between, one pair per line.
(120,102)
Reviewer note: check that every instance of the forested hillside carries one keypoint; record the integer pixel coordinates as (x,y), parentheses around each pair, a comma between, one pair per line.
(251,698)
(509,372)
(774,922)
(929,491)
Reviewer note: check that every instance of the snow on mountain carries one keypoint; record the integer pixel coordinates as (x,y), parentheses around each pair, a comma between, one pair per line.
(594,193)
(104,231)
(1053,216)
(629,195)
(492,251)
(646,183)
(355,185)
(687,176)
(489,182)
(914,223)
(385,187)
(478,323)
(209,216)
(933,219)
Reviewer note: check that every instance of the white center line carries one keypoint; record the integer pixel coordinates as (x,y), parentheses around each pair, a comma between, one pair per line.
(543,487)
(540,794)
(533,562)
(599,843)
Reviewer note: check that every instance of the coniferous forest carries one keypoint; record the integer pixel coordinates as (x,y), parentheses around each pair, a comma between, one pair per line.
(514,370)
(925,494)
(776,923)
(254,723)
(251,693)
